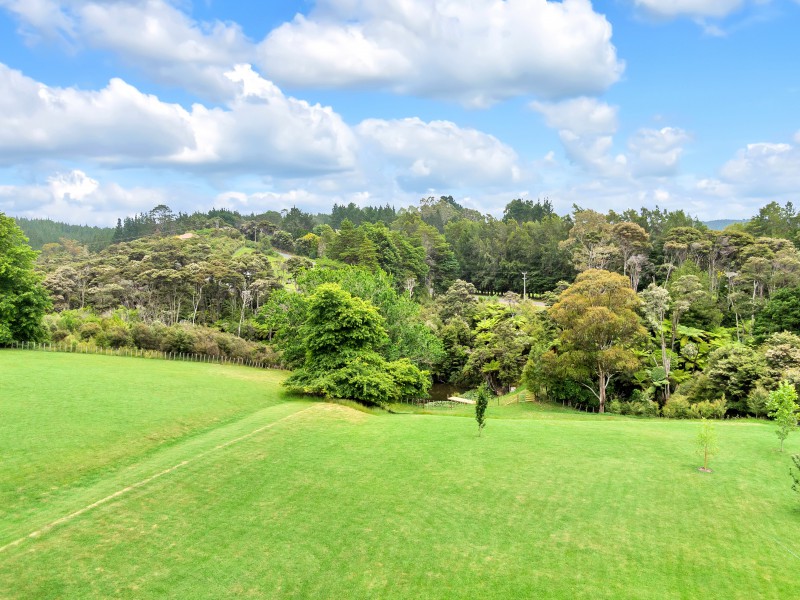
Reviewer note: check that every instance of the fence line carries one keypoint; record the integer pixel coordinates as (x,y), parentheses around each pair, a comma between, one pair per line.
(140,353)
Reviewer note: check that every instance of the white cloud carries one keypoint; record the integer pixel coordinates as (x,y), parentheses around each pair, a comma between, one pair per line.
(586,128)
(113,124)
(74,197)
(693,8)
(478,52)
(40,17)
(764,169)
(440,154)
(657,152)
(153,35)
(261,130)
(582,116)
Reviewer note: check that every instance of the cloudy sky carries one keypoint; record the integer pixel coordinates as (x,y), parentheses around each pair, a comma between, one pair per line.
(109,107)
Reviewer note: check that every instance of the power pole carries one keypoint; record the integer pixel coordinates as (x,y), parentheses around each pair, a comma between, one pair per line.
(524,285)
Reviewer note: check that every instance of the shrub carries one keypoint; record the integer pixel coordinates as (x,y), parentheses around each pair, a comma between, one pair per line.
(89,330)
(118,336)
(145,337)
(757,401)
(708,410)
(677,407)
(59,335)
(178,339)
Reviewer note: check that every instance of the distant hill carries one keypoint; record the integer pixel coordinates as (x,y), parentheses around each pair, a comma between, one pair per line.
(721,224)
(44,231)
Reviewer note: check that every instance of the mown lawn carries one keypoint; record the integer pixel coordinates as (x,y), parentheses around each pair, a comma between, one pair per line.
(328,502)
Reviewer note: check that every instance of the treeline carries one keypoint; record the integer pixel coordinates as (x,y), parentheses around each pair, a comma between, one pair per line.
(44,231)
(700,322)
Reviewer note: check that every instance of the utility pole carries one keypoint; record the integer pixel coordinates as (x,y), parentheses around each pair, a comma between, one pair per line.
(524,285)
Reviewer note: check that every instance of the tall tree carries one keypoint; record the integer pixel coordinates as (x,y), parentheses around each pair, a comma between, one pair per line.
(600,331)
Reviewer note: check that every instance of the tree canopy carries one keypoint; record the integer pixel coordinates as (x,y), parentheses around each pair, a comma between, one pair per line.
(23,300)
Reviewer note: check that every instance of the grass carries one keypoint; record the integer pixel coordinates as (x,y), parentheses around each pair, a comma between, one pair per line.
(328,502)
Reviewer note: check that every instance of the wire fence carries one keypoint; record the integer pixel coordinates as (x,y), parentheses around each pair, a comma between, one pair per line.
(78,348)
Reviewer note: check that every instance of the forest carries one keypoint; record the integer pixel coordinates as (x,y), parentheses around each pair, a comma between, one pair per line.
(644,312)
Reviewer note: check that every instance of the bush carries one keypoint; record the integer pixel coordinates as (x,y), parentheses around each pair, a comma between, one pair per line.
(708,410)
(757,401)
(59,335)
(145,337)
(178,339)
(118,336)
(89,330)
(677,407)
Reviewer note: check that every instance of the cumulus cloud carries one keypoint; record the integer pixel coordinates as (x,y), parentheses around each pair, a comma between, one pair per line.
(586,128)
(582,116)
(113,124)
(657,152)
(477,53)
(260,130)
(263,130)
(692,8)
(764,169)
(440,154)
(151,34)
(75,197)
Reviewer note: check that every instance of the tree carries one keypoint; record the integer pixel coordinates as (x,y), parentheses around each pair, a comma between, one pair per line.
(706,443)
(656,302)
(783,408)
(600,330)
(590,241)
(23,299)
(481,403)
(631,239)
(781,313)
(342,335)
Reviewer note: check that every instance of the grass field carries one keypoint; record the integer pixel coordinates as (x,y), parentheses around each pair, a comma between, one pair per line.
(261,496)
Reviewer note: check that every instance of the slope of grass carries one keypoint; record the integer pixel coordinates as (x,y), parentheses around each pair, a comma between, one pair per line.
(328,502)
(67,421)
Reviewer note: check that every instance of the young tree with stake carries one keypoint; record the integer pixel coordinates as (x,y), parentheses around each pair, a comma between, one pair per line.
(706,443)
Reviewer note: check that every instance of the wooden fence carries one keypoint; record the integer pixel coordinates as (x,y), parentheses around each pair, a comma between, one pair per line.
(140,353)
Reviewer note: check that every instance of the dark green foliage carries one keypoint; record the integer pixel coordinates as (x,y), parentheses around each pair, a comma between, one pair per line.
(282,240)
(44,231)
(735,370)
(23,300)
(781,313)
(358,215)
(481,403)
(342,335)
(523,211)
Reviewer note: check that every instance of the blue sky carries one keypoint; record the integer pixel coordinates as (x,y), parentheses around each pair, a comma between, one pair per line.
(110,107)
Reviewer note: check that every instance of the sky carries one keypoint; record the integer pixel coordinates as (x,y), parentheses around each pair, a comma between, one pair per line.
(111,107)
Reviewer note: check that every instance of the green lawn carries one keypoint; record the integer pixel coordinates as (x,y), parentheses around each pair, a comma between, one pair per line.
(327,502)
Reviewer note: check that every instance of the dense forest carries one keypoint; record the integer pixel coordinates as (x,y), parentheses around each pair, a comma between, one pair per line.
(643,311)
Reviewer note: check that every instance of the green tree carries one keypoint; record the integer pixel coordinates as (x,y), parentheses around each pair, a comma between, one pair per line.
(600,331)
(783,408)
(707,443)
(481,403)
(781,313)
(342,336)
(23,299)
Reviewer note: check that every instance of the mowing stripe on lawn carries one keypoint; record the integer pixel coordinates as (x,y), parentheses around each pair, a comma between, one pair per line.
(143,482)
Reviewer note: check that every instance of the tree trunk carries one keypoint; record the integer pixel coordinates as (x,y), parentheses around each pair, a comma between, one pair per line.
(602,382)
